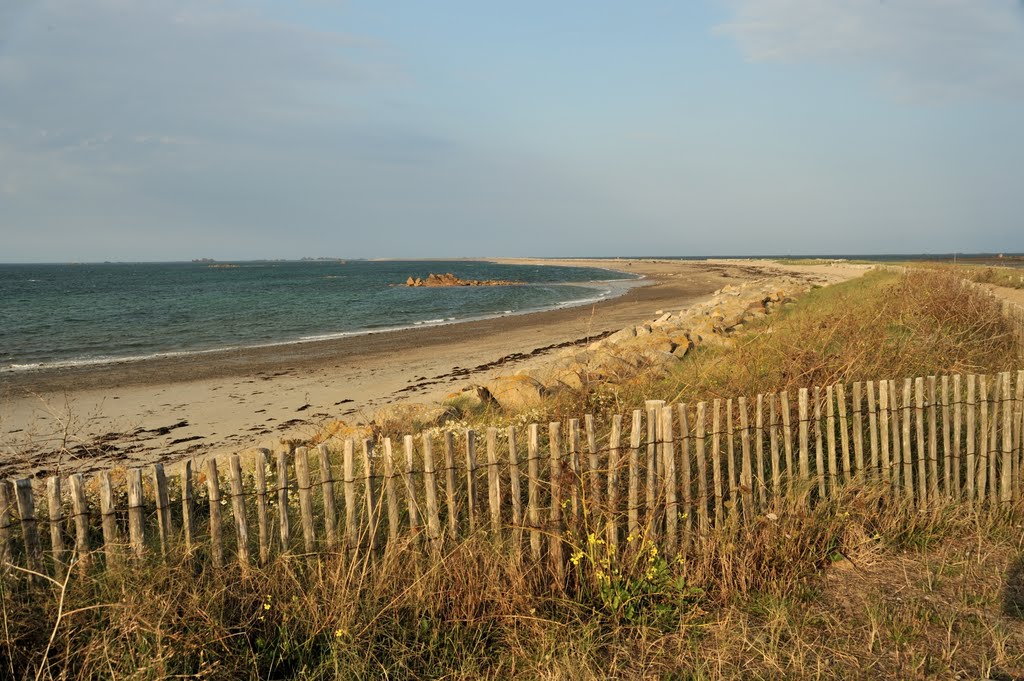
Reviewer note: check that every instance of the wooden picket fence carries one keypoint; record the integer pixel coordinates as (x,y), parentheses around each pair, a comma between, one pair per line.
(667,473)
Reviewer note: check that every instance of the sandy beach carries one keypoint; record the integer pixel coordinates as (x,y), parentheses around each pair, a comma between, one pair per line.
(86,418)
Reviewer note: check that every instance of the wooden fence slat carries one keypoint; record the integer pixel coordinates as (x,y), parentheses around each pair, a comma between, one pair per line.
(830,432)
(730,455)
(1018,427)
(80,509)
(370,487)
(773,438)
(6,507)
(163,507)
(533,488)
(894,416)
(238,511)
(933,442)
(983,451)
(262,514)
(633,510)
(668,457)
(515,483)
(716,458)
(471,491)
(702,467)
(283,522)
(908,460)
(1006,472)
(957,408)
(884,411)
(327,493)
(922,448)
(216,525)
(969,454)
(305,489)
(391,496)
(109,519)
(612,524)
(449,479)
(136,528)
(947,473)
(493,481)
(858,429)
(574,472)
(805,461)
(410,488)
(759,473)
(430,491)
(993,444)
(746,472)
(873,430)
(348,486)
(787,440)
(844,430)
(687,471)
(188,524)
(55,518)
(653,479)
(593,463)
(29,526)
(555,530)
(819,440)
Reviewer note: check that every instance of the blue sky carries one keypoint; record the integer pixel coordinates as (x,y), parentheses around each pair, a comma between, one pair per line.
(159,130)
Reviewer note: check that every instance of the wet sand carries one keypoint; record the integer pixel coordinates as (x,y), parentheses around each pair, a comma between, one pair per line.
(87,418)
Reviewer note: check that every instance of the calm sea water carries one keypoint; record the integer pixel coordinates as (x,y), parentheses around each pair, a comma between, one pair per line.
(59,315)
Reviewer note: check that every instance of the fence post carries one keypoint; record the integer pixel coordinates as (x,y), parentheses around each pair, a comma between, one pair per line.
(830,425)
(758,478)
(858,429)
(305,485)
(593,463)
(410,489)
(787,440)
(515,490)
(819,444)
(933,442)
(533,488)
(612,524)
(773,438)
(216,525)
(449,479)
(29,527)
(372,498)
(716,458)
(555,538)
(972,463)
(746,474)
(668,457)
(262,516)
(389,492)
(80,507)
(109,519)
(702,467)
(574,472)
(283,523)
(238,510)
(957,427)
(873,431)
(430,485)
(327,491)
(136,529)
(6,506)
(687,481)
(844,430)
(348,466)
(163,506)
(805,462)
(1006,474)
(55,516)
(471,495)
(187,504)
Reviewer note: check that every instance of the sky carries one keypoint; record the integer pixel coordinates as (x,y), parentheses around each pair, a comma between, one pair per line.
(169,130)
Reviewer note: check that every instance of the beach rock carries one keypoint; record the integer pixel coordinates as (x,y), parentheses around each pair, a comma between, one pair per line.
(622,334)
(643,330)
(449,279)
(516,392)
(473,398)
(417,415)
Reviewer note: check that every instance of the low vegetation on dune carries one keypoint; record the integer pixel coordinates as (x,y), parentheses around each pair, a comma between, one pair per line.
(858,586)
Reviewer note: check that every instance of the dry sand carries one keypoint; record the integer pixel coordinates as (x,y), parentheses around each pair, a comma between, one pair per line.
(86,418)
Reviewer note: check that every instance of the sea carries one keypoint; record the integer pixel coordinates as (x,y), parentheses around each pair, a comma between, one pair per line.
(60,315)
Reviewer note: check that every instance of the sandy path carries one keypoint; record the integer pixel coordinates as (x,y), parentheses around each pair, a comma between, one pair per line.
(89,418)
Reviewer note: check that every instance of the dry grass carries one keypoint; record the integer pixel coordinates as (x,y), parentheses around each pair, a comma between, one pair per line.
(857,587)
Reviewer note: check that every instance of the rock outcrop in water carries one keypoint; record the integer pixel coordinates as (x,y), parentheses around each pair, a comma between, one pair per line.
(449,279)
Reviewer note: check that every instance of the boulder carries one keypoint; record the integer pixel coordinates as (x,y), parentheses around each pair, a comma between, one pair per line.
(516,392)
(473,398)
(622,334)
(415,414)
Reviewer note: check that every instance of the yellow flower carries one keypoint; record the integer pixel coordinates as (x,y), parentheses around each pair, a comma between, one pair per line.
(338,633)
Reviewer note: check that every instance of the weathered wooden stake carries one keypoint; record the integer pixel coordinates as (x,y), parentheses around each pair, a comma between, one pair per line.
(238,511)
(873,431)
(819,451)
(574,472)
(216,525)
(633,502)
(80,508)
(390,494)
(858,430)
(372,497)
(947,474)
(844,431)
(773,435)
(908,462)
(262,515)
(163,507)
(687,475)
(430,491)
(327,492)
(305,485)
(933,442)
(348,487)
(410,489)
(555,536)
(593,463)
(283,523)
(188,524)
(668,457)
(1006,472)
(6,506)
(702,468)
(759,473)
(55,517)
(830,431)
(515,485)
(29,525)
(612,525)
(136,529)
(471,492)
(533,488)
(493,480)
(805,444)
(970,473)
(746,472)
(108,519)
(957,427)
(449,479)
(787,439)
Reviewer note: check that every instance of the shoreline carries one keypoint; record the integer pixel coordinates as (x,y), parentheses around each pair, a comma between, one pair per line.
(624,286)
(167,409)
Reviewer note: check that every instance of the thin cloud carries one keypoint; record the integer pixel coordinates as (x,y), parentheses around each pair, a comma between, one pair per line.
(923,47)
